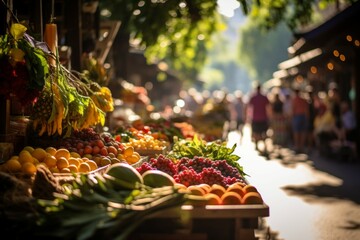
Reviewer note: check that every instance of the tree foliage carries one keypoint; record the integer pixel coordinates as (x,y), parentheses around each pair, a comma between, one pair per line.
(179,31)
(261,51)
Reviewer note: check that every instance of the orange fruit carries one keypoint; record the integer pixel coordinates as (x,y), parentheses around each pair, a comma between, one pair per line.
(212,199)
(205,186)
(28,168)
(217,189)
(132,159)
(62,152)
(74,161)
(236,188)
(196,190)
(73,168)
(249,188)
(25,156)
(231,198)
(13,165)
(50,161)
(240,184)
(128,151)
(65,170)
(252,198)
(180,187)
(51,150)
(39,154)
(92,164)
(84,167)
(62,162)
(28,148)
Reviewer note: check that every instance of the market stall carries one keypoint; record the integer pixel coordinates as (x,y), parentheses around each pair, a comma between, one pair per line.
(72,179)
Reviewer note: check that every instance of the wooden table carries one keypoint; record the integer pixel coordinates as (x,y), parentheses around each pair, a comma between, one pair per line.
(203,223)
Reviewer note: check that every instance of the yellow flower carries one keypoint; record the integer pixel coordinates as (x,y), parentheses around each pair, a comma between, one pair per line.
(16,54)
(17,30)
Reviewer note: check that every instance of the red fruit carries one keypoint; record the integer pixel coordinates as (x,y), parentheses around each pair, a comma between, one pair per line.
(100,143)
(95,150)
(104,151)
(88,149)
(80,151)
(112,149)
(80,145)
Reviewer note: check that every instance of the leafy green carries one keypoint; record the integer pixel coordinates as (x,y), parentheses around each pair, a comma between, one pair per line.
(91,206)
(212,150)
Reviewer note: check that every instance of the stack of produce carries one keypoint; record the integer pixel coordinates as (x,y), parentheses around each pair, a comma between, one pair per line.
(143,139)
(84,151)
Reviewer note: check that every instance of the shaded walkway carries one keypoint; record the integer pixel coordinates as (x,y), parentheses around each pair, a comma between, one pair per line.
(309,197)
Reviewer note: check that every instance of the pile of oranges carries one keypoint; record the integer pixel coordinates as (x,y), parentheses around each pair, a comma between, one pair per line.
(235,194)
(56,160)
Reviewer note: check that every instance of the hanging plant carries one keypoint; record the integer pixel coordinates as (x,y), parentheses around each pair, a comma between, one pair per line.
(23,65)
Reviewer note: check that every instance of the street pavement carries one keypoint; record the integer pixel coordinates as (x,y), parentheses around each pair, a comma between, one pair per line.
(309,197)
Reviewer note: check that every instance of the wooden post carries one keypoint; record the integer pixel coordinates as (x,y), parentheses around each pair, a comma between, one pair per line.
(73,23)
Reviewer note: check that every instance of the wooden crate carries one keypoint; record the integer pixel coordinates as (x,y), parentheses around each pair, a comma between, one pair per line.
(211,222)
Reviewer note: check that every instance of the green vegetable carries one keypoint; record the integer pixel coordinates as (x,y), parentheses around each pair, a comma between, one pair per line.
(212,150)
(92,207)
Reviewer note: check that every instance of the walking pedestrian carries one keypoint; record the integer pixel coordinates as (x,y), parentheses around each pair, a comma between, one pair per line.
(239,108)
(311,118)
(260,107)
(300,113)
(287,107)
(278,121)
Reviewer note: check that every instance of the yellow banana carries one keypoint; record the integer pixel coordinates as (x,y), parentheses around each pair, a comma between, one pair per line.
(43,128)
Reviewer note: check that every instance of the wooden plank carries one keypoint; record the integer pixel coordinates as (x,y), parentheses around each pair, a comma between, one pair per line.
(216,211)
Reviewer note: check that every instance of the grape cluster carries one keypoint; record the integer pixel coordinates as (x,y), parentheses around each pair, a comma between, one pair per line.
(86,134)
(164,164)
(145,167)
(193,171)
(188,177)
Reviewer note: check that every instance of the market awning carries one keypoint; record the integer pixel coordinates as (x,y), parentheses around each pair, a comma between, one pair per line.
(339,27)
(304,57)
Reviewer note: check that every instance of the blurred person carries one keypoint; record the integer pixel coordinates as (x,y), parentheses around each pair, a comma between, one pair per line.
(287,110)
(334,101)
(348,122)
(311,118)
(325,130)
(300,113)
(278,121)
(260,107)
(239,111)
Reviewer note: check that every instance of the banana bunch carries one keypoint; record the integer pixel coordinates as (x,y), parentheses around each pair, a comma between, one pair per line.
(50,121)
(103,99)
(92,116)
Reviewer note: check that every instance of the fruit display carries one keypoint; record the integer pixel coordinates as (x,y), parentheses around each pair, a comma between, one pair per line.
(195,171)
(114,181)
(214,150)
(142,139)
